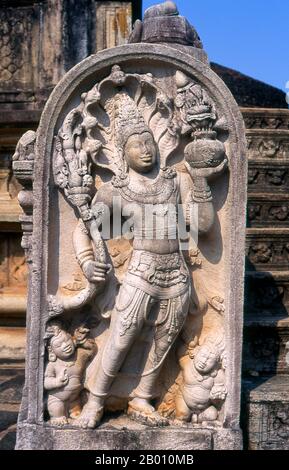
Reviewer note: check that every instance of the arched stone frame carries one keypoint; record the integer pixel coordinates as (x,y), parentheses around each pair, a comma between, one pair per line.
(63,98)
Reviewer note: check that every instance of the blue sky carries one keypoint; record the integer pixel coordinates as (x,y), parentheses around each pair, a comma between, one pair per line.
(251,36)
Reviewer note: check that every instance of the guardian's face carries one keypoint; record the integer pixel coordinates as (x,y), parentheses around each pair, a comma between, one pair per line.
(140,152)
(205,360)
(62,345)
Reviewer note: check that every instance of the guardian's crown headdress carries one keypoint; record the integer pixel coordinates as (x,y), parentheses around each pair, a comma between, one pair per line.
(128,119)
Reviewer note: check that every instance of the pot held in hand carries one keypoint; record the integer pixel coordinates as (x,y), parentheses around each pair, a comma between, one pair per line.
(205,152)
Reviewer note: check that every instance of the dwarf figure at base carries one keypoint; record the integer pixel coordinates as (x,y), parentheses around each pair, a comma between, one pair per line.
(64,372)
(203,386)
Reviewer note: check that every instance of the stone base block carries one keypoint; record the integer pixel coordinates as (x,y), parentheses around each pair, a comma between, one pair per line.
(122,434)
(12,339)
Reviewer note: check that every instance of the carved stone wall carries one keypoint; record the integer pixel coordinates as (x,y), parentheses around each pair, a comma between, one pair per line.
(268,212)
(266,333)
(146,354)
(268,414)
(23,92)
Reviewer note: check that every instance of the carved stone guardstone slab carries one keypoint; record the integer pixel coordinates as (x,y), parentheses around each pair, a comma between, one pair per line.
(135,251)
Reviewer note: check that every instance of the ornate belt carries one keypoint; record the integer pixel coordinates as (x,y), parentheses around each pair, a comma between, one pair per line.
(163,270)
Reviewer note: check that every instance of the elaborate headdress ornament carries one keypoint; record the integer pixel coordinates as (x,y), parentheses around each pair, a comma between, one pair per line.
(128,119)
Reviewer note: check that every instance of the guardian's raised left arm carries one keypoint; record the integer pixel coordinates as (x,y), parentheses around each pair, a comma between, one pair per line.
(200,193)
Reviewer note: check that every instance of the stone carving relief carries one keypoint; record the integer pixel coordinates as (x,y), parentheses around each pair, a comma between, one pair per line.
(162,23)
(128,127)
(253,176)
(13,270)
(76,285)
(254,211)
(203,388)
(281,423)
(269,148)
(136,254)
(199,391)
(273,123)
(260,252)
(113,23)
(287,353)
(15,31)
(4,179)
(273,147)
(276,177)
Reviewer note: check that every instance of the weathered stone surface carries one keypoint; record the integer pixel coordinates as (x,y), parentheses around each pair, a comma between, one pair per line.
(266,118)
(268,413)
(38,44)
(12,381)
(13,341)
(267,247)
(266,332)
(114,24)
(249,92)
(8,438)
(8,416)
(160,106)
(11,384)
(264,213)
(266,348)
(162,23)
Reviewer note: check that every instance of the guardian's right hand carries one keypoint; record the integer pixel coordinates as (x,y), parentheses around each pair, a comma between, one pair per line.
(95,272)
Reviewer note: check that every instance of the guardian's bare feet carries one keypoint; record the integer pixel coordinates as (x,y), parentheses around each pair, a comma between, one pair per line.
(142,411)
(91,414)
